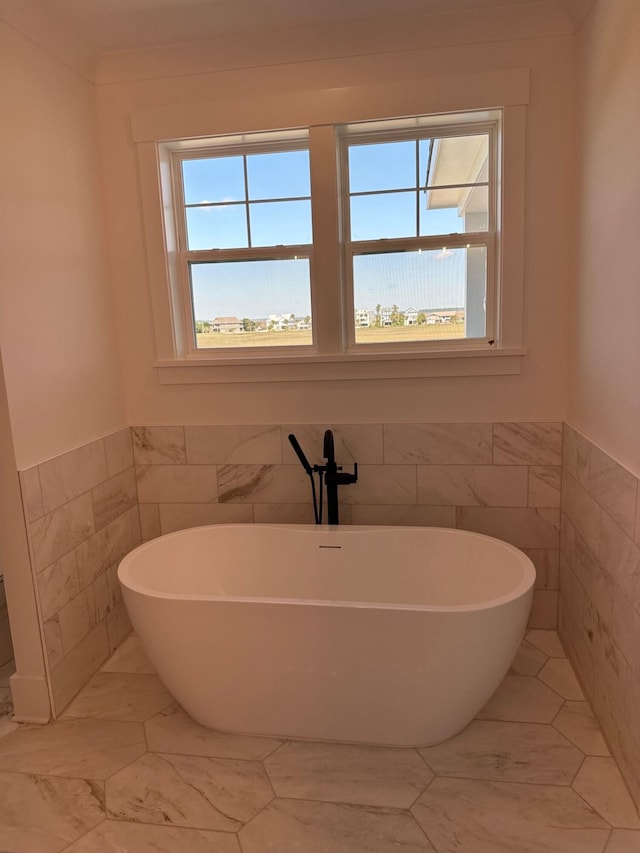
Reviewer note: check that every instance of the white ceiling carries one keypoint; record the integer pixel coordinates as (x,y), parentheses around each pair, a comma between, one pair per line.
(114,25)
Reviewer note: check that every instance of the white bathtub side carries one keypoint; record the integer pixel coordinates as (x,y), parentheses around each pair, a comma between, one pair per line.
(357,674)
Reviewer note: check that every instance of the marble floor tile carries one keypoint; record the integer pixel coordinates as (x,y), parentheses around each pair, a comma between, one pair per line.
(522,699)
(547,641)
(344,773)
(599,783)
(174,731)
(469,816)
(529,660)
(559,675)
(89,749)
(297,826)
(120,696)
(576,722)
(623,841)
(7,726)
(130,657)
(185,790)
(43,814)
(514,752)
(115,836)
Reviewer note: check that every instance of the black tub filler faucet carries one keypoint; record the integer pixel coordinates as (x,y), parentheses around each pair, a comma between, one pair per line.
(332,474)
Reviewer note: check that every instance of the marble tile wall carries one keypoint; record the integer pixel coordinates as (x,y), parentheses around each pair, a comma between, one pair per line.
(82,517)
(502,479)
(600,592)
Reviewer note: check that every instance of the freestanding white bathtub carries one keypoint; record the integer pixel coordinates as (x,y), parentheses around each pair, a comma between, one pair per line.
(380,635)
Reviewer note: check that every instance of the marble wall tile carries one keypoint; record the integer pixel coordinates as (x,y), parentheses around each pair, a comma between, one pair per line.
(582,511)
(411,516)
(134,520)
(77,667)
(361,443)
(625,630)
(159,445)
(637,533)
(31,493)
(53,641)
(455,444)
(118,626)
(216,445)
(181,516)
(527,443)
(522,527)
(107,592)
(177,483)
(547,563)
(614,488)
(472,485)
(58,584)
(382,484)
(149,521)
(619,556)
(263,484)
(61,530)
(575,454)
(67,476)
(77,618)
(103,548)
(113,497)
(544,609)
(286,513)
(119,450)
(544,485)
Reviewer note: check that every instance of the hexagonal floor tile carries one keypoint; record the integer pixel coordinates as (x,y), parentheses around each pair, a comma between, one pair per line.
(85,749)
(522,699)
(345,773)
(120,696)
(172,730)
(577,723)
(559,675)
(528,661)
(186,790)
(46,813)
(471,816)
(600,783)
(514,752)
(115,835)
(292,826)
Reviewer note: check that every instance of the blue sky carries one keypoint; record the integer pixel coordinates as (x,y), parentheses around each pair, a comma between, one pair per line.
(218,217)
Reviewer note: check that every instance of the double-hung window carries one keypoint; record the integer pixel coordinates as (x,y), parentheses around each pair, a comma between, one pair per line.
(419,235)
(245,236)
(343,244)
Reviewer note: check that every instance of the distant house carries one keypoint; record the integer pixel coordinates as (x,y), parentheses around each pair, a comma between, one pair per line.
(364,318)
(226,324)
(410,317)
(280,322)
(386,316)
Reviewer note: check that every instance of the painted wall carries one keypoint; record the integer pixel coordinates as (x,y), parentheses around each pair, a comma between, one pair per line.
(56,318)
(537,394)
(605,392)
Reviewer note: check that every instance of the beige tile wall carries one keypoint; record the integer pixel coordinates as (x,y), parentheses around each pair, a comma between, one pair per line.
(82,516)
(502,479)
(600,592)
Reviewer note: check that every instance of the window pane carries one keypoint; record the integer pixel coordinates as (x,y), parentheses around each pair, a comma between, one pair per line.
(454,160)
(382,166)
(252,303)
(454,211)
(374,217)
(280,174)
(280,223)
(420,296)
(219,227)
(213,179)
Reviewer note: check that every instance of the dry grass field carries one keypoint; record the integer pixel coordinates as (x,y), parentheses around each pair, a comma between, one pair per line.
(437,331)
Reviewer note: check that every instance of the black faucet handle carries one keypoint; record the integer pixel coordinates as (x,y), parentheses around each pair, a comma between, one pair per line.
(346,479)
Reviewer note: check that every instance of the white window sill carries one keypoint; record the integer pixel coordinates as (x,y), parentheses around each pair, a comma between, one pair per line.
(294,368)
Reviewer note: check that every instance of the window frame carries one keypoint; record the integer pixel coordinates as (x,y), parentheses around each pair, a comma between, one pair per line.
(428,126)
(157,131)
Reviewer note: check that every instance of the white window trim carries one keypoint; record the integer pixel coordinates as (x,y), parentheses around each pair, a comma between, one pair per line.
(157,131)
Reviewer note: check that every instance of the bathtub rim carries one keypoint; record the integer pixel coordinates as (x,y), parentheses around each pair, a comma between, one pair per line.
(521,589)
